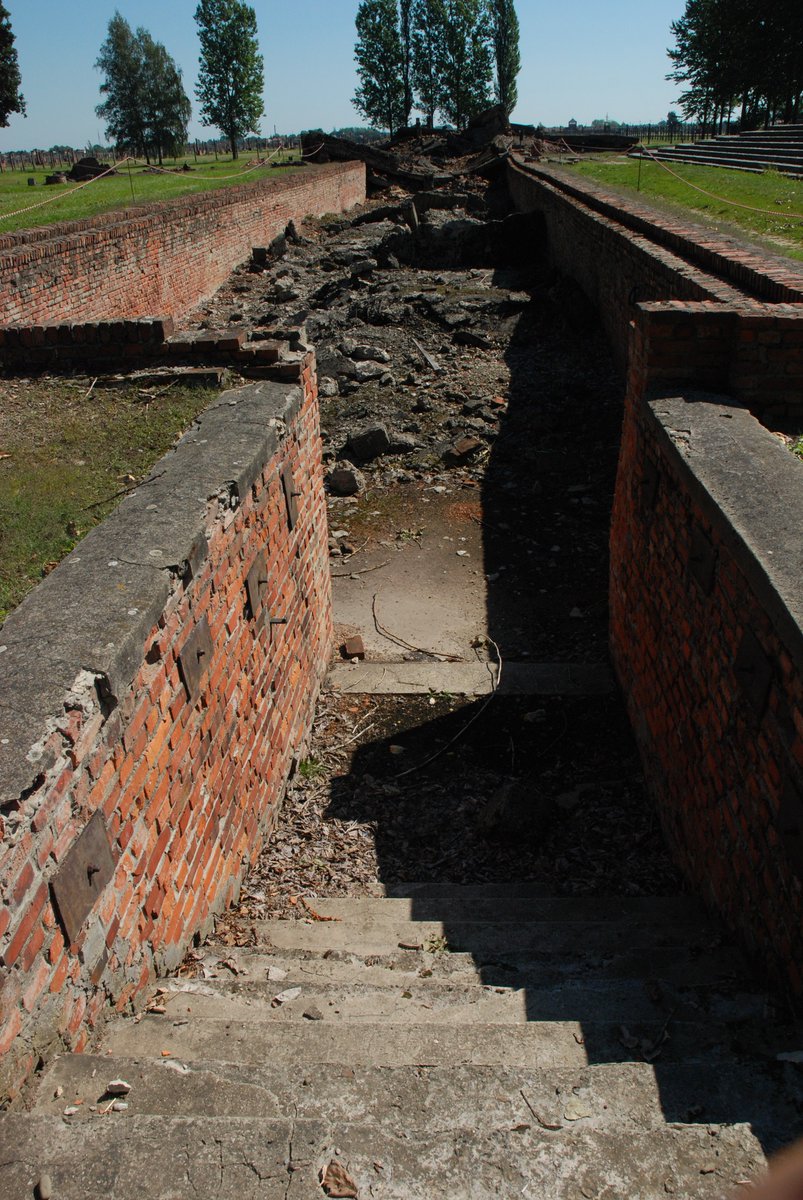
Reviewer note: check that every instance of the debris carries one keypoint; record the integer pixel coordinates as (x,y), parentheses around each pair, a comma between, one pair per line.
(336,1182)
(544,1122)
(44,1188)
(461,451)
(431,362)
(285,997)
(313,1013)
(576,1110)
(117,1087)
(353,647)
(316,916)
(345,480)
(368,443)
(276,974)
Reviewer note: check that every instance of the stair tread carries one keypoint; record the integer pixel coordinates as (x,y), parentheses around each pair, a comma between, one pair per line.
(638,1095)
(420,999)
(673,964)
(376,1043)
(153,1157)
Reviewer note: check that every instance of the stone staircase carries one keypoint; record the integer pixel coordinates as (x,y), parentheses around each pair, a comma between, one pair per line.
(437,1042)
(779,149)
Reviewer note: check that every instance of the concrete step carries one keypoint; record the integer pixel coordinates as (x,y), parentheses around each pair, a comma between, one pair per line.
(498,907)
(170,1158)
(537,1044)
(670,966)
(418,1000)
(364,934)
(632,1096)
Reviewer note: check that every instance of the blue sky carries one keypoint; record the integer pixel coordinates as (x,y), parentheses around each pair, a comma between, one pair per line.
(580,58)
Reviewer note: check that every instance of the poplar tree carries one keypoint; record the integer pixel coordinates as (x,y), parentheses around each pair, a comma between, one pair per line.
(123,110)
(231,76)
(505,37)
(427,17)
(146,109)
(463,58)
(406,39)
(167,106)
(380,97)
(11,99)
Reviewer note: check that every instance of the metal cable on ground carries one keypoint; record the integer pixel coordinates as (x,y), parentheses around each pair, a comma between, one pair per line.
(767,212)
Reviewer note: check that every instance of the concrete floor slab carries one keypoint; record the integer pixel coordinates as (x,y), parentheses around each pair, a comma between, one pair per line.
(471,678)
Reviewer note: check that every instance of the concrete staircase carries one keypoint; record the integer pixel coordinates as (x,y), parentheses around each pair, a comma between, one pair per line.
(779,148)
(440,1042)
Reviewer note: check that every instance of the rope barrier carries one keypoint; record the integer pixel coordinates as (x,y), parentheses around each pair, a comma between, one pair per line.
(62,195)
(767,212)
(129,158)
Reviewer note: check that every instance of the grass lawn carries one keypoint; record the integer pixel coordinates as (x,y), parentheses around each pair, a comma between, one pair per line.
(782,197)
(66,455)
(115,191)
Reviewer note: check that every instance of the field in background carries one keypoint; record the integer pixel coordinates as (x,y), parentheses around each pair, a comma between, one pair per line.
(124,189)
(779,196)
(68,452)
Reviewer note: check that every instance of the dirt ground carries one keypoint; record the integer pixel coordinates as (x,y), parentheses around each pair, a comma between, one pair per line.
(498,554)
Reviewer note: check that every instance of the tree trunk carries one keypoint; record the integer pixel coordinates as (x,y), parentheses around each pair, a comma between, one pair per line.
(235,154)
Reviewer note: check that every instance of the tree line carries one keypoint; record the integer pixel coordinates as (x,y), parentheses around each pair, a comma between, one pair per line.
(735,56)
(146,109)
(441,57)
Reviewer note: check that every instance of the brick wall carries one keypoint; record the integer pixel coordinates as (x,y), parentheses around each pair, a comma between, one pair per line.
(104,729)
(707,640)
(624,255)
(161,259)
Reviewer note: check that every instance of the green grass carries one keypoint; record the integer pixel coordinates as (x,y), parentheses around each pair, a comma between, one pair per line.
(65,458)
(120,191)
(782,197)
(797,447)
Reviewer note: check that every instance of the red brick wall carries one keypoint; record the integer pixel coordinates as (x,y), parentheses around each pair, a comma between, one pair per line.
(160,259)
(187,789)
(707,640)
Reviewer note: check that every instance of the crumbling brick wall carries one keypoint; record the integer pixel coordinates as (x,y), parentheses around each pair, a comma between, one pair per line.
(156,689)
(161,258)
(707,640)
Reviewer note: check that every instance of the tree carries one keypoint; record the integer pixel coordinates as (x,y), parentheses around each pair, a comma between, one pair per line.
(231,77)
(406,39)
(463,59)
(120,60)
(505,37)
(146,108)
(427,17)
(734,52)
(167,106)
(11,99)
(380,98)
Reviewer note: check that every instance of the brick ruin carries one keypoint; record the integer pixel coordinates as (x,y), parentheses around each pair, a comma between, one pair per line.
(149,741)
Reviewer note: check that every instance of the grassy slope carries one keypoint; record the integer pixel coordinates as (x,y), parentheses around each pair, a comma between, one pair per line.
(64,458)
(115,191)
(782,197)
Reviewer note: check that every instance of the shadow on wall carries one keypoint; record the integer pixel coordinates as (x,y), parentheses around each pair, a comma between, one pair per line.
(576,822)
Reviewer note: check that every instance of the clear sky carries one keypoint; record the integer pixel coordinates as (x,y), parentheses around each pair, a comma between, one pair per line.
(580,58)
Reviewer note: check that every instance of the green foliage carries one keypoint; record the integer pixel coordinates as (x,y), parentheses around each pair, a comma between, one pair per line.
(231,74)
(452,57)
(380,97)
(505,35)
(406,39)
(427,17)
(146,109)
(733,53)
(69,450)
(167,108)
(464,60)
(11,99)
